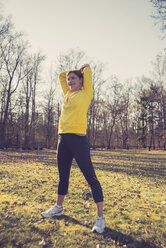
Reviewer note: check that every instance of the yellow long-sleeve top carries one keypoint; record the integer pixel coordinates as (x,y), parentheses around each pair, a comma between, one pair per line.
(75,105)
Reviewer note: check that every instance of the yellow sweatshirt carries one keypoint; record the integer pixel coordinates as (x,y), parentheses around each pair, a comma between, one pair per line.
(75,105)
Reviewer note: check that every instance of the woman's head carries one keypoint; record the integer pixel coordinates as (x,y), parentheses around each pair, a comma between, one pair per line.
(75,80)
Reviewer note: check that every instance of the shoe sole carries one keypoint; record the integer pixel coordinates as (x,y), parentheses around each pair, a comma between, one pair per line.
(96,231)
(58,214)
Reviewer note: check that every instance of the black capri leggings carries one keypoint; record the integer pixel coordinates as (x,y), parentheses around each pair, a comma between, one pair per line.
(74,146)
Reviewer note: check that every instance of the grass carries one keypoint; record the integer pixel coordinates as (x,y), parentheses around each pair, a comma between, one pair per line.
(134,188)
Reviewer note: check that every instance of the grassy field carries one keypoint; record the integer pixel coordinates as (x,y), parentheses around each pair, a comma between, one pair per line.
(134,185)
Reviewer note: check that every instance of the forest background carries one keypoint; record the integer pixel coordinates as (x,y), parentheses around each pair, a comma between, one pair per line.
(123,114)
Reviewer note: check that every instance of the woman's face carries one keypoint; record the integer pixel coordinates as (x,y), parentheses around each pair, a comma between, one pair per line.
(74,82)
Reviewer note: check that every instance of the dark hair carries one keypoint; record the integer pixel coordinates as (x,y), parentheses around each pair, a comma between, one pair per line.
(78,73)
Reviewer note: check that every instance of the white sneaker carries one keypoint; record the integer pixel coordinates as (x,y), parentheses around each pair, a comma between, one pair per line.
(53,211)
(99,226)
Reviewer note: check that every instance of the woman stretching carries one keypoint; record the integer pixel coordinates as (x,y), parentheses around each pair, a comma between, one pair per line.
(78,93)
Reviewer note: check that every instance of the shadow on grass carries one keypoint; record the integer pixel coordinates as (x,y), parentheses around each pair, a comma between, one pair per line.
(109,234)
(146,171)
(142,166)
(47,158)
(70,219)
(122,239)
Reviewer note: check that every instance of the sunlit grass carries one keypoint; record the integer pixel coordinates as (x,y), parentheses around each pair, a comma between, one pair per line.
(134,188)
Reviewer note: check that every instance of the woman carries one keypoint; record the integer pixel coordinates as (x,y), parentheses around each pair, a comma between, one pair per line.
(78,93)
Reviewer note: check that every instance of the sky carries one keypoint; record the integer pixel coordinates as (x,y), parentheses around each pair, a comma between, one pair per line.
(119,33)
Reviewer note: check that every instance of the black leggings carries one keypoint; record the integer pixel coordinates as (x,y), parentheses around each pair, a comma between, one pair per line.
(74,146)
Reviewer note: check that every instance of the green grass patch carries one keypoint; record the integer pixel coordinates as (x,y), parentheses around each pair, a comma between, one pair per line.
(134,188)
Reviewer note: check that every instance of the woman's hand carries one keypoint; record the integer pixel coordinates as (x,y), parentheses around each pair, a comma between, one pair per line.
(83,66)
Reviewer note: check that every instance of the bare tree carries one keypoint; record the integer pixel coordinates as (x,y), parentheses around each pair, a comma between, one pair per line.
(160,16)
(5,27)
(27,84)
(5,24)
(94,114)
(113,108)
(159,73)
(151,128)
(50,117)
(159,68)
(71,59)
(12,52)
(124,120)
(37,61)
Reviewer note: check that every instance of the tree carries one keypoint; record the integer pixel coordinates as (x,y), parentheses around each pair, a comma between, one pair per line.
(27,85)
(37,61)
(113,108)
(159,73)
(49,106)
(124,119)
(150,130)
(159,68)
(72,59)
(142,120)
(95,109)
(12,51)
(160,16)
(4,26)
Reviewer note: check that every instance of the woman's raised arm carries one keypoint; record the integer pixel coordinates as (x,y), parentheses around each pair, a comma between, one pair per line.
(87,83)
(63,82)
